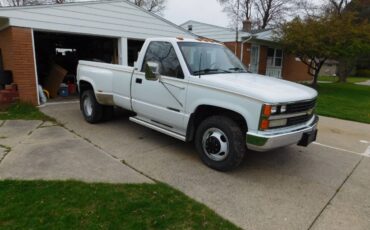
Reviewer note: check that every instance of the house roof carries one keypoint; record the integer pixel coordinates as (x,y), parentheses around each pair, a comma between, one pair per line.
(118,18)
(265,35)
(224,34)
(218,33)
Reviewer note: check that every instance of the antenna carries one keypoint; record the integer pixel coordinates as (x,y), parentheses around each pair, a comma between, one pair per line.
(200,63)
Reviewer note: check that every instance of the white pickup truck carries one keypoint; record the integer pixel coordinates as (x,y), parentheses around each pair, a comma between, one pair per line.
(196,90)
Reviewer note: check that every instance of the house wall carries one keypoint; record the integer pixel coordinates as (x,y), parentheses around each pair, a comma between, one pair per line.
(295,70)
(17,49)
(246,51)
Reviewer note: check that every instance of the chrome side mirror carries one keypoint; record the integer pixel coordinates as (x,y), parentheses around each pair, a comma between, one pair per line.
(152,71)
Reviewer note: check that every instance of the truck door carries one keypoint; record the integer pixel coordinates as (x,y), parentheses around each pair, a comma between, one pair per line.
(161,102)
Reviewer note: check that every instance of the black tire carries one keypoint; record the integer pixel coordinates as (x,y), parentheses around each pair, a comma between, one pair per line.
(108,112)
(96,113)
(235,138)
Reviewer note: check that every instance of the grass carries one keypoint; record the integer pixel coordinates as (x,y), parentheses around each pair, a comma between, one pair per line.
(76,205)
(345,101)
(22,111)
(349,80)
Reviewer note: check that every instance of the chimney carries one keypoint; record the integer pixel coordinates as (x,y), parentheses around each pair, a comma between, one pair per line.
(190,28)
(247,26)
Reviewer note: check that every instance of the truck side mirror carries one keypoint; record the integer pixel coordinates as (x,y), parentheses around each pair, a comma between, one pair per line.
(151,71)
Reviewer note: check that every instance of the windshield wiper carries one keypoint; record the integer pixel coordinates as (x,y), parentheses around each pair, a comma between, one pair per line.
(211,70)
(237,69)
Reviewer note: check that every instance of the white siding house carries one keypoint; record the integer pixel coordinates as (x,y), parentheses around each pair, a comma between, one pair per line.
(119,25)
(121,19)
(218,33)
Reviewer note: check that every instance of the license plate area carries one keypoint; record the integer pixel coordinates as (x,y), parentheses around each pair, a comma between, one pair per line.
(308,138)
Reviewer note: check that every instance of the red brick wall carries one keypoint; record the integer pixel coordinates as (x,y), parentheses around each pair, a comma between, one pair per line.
(246,51)
(16,46)
(294,70)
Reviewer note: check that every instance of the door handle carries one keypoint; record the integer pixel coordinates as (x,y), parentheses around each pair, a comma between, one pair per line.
(139,80)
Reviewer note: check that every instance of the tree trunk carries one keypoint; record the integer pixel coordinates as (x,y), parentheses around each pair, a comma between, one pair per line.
(315,78)
(344,69)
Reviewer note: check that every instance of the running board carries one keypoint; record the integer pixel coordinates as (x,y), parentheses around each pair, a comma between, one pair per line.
(159,129)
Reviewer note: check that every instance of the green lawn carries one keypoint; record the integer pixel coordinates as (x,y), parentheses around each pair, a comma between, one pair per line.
(22,111)
(349,80)
(75,205)
(345,101)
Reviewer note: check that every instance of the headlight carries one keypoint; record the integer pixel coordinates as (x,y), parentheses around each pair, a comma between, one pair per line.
(278,123)
(274,109)
(283,109)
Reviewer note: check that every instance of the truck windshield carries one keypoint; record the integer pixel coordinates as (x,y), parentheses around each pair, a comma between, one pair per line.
(207,58)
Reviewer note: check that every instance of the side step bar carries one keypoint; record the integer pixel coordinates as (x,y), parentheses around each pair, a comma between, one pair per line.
(159,129)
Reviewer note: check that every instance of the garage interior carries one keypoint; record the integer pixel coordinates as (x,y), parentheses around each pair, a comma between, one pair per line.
(57,57)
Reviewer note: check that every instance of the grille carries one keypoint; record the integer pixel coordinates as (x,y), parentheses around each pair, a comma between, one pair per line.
(301,106)
(299,120)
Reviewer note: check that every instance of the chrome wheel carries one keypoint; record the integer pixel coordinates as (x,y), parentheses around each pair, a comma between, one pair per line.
(215,144)
(88,106)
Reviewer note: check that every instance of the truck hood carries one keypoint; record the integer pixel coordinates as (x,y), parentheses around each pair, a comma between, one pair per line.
(263,88)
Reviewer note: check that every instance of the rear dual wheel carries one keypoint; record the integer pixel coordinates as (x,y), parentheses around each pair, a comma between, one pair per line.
(220,143)
(92,111)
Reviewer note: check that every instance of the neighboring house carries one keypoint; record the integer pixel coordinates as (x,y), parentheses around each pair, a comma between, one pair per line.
(330,68)
(257,49)
(32,38)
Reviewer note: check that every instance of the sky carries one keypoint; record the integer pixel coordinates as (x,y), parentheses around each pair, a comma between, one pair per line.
(207,11)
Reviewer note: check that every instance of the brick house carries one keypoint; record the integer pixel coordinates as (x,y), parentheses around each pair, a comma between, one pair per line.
(33,38)
(257,49)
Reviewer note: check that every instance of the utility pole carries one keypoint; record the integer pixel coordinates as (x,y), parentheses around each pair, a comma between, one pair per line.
(237,27)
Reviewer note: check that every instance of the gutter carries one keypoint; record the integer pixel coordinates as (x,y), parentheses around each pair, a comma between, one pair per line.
(243,42)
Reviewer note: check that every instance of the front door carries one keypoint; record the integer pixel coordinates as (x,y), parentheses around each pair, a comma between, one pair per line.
(161,102)
(255,55)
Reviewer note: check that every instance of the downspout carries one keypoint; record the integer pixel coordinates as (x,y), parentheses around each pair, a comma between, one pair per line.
(243,42)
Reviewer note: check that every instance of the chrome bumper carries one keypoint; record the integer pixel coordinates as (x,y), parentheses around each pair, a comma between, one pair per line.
(268,140)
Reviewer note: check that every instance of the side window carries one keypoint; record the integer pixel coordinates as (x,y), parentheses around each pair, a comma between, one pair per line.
(164,54)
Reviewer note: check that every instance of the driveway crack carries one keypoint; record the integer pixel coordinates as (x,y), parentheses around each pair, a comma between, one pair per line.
(335,194)
(6,152)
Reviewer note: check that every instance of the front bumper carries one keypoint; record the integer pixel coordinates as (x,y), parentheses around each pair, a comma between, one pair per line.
(268,140)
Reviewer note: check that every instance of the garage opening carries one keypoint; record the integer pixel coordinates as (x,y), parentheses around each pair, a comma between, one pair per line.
(57,57)
(134,47)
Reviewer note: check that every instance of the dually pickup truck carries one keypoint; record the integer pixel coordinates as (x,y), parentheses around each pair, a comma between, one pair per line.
(197,90)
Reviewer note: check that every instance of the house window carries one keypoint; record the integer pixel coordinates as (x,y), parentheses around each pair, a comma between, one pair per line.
(274,57)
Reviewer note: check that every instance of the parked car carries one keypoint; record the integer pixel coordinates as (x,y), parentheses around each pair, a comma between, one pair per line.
(196,90)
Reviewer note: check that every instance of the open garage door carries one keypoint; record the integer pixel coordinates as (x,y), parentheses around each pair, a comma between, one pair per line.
(57,56)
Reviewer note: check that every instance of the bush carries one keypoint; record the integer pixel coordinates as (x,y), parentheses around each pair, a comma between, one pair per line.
(363,73)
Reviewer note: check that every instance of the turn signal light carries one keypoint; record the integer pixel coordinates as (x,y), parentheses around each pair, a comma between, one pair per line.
(267,110)
(264,124)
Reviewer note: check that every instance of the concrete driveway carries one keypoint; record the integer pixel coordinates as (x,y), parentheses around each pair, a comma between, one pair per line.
(37,150)
(324,186)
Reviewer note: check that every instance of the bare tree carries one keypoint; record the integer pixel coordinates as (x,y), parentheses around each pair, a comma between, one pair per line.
(238,11)
(336,6)
(154,6)
(15,3)
(272,12)
(263,13)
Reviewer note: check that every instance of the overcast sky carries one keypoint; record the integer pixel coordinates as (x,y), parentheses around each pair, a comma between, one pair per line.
(208,11)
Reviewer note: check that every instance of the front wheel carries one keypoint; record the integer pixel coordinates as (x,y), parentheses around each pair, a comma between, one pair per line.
(220,143)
